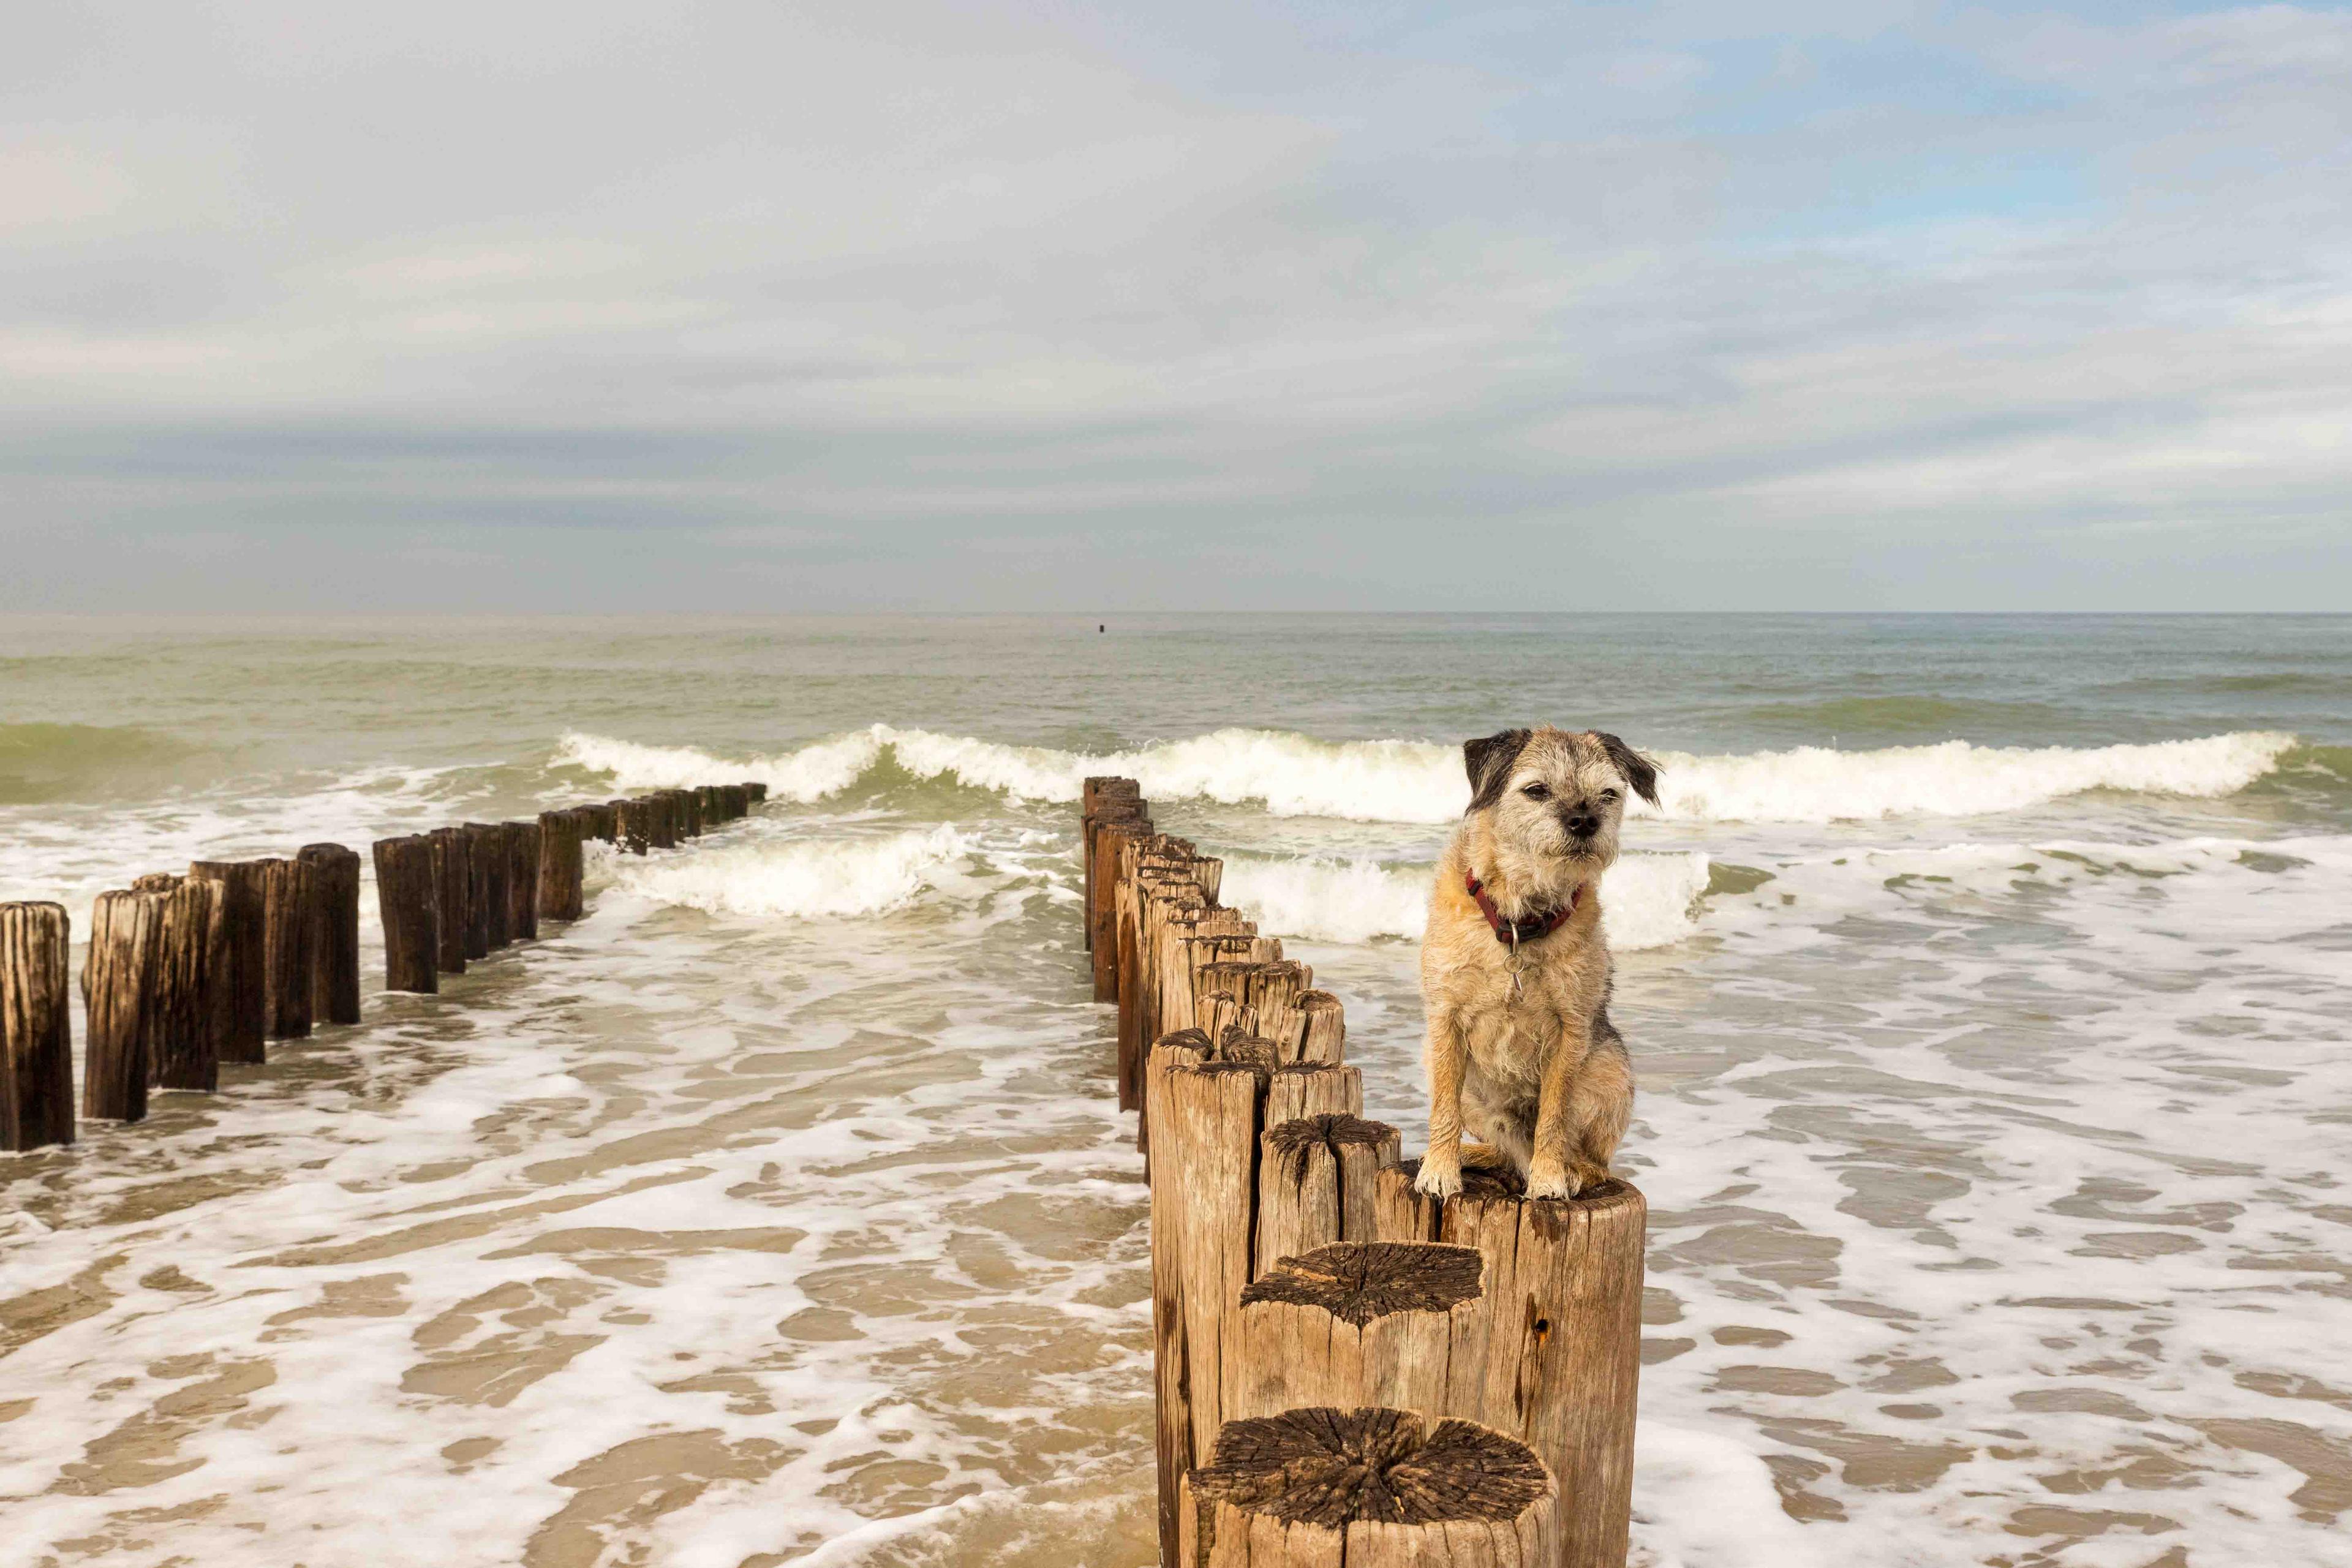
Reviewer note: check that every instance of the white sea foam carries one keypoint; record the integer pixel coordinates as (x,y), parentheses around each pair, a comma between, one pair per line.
(1329,900)
(810,774)
(802,877)
(1417,781)
(1953,779)
(1645,899)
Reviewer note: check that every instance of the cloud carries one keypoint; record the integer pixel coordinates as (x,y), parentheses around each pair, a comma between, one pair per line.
(989,307)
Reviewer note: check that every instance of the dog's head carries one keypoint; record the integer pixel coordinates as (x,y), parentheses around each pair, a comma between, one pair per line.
(1553,799)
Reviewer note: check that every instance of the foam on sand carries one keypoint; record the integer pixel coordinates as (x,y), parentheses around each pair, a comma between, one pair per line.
(1421,782)
(1647,899)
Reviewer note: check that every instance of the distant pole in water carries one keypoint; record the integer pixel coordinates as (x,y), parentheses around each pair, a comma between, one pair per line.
(1100,629)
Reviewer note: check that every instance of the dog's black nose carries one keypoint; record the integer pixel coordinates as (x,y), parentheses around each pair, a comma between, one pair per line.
(1583,823)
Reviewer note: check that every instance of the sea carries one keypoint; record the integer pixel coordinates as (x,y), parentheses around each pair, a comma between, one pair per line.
(1989,979)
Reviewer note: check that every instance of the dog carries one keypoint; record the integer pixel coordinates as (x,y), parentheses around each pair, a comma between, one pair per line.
(1515,971)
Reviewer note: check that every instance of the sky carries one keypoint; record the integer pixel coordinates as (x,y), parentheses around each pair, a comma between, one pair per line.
(1200,305)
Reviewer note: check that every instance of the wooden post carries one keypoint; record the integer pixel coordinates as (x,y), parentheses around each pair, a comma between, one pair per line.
(1148,905)
(1091,795)
(290,921)
(1310,1089)
(186,1025)
(408,881)
(335,937)
(522,880)
(1110,834)
(1364,1488)
(1384,1323)
(1291,1354)
(1563,1365)
(1315,1184)
(244,1013)
(633,826)
(35,1033)
(1204,1118)
(487,894)
(757,791)
(118,989)
(459,936)
(660,820)
(561,863)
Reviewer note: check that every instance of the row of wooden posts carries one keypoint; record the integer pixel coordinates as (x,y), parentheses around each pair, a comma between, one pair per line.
(1349,1374)
(185,972)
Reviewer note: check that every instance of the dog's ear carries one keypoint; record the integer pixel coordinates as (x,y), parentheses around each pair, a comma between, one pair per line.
(1489,762)
(1639,771)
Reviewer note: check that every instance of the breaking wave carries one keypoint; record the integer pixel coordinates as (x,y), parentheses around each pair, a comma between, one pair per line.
(804,878)
(42,763)
(1421,782)
(1646,899)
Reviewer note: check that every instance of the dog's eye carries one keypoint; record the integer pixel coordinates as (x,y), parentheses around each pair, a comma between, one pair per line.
(1538,792)
(1609,797)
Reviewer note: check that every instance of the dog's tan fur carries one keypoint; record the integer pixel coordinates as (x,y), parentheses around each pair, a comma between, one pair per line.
(1519,1033)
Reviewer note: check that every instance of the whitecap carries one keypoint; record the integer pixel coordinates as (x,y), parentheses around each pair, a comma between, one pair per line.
(798,879)
(1421,782)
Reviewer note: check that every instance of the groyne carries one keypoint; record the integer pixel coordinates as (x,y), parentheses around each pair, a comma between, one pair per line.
(188,970)
(1347,1373)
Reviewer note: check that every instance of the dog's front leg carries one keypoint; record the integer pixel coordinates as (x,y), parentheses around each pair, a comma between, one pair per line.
(1548,1171)
(1441,1168)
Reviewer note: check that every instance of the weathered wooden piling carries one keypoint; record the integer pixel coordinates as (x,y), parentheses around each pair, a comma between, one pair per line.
(1364,1488)
(633,826)
(1392,1323)
(1312,1315)
(243,1010)
(409,885)
(561,863)
(1111,834)
(35,1033)
(185,1026)
(661,817)
(487,894)
(335,933)
(755,792)
(1565,1363)
(522,880)
(460,936)
(290,924)
(119,988)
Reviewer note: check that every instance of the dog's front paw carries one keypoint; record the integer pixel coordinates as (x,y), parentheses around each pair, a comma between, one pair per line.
(1549,1181)
(1439,1178)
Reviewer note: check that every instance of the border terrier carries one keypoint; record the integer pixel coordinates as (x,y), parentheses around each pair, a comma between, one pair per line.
(1515,971)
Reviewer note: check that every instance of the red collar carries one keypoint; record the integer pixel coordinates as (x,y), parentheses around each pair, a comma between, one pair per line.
(1513,933)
